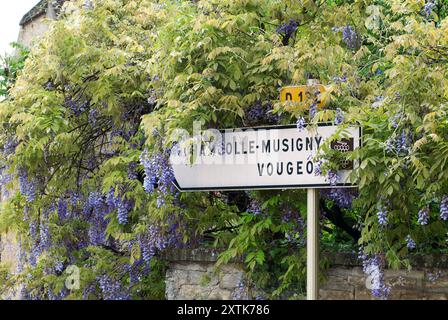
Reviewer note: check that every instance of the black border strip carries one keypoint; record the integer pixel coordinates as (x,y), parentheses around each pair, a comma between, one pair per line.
(266,187)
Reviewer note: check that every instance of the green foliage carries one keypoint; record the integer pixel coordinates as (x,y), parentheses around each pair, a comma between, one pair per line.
(10,66)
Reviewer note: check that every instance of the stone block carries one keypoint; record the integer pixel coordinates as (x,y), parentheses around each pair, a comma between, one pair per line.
(180,277)
(195,277)
(434,296)
(220,294)
(230,280)
(405,294)
(231,268)
(171,290)
(336,284)
(438,285)
(192,292)
(405,279)
(356,280)
(410,295)
(210,279)
(362,293)
(329,294)
(193,266)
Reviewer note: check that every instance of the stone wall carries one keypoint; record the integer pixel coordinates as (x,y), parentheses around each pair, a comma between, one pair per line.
(428,279)
(192,276)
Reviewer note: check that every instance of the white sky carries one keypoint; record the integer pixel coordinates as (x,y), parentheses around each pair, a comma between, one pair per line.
(11,11)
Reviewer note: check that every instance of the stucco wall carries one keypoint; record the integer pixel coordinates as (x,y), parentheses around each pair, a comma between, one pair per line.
(191,276)
(33,30)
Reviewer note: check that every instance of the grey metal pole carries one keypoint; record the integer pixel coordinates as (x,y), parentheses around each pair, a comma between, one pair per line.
(312,245)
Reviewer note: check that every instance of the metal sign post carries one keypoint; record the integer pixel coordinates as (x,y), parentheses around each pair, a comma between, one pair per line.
(298,94)
(312,245)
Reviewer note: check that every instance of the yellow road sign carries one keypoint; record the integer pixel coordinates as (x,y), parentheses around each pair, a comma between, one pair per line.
(300,94)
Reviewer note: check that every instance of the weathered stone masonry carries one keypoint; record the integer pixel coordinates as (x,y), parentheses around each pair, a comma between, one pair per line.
(428,279)
(191,276)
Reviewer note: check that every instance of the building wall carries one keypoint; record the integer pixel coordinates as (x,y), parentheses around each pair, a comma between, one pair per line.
(33,30)
(191,276)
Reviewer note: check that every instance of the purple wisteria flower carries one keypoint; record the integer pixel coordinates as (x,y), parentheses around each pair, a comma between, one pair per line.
(423,216)
(296,235)
(122,212)
(351,38)
(112,289)
(395,120)
(26,186)
(428,7)
(318,168)
(401,142)
(254,207)
(62,209)
(382,215)
(377,102)
(158,174)
(241,291)
(261,112)
(339,117)
(343,197)
(313,110)
(287,29)
(444,208)
(339,79)
(410,243)
(332,177)
(300,124)
(372,267)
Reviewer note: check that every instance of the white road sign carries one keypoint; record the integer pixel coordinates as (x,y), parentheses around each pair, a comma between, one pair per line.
(259,158)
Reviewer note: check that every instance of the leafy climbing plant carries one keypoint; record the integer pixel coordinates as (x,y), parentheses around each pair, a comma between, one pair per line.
(89,124)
